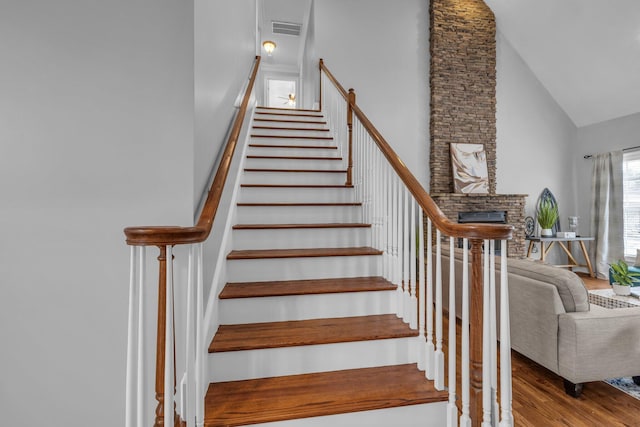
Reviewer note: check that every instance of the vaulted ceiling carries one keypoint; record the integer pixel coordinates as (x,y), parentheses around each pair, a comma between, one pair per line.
(585,52)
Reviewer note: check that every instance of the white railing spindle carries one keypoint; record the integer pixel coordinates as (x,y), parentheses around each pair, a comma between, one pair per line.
(200,385)
(493,333)
(431,352)
(406,300)
(506,419)
(465,420)
(130,391)
(168,345)
(413,303)
(422,343)
(486,342)
(439,354)
(452,409)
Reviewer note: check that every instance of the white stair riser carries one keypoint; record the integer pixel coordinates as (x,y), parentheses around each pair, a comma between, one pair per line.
(424,415)
(294,122)
(294,164)
(271,362)
(299,238)
(295,195)
(256,270)
(303,307)
(297,214)
(293,141)
(296,131)
(297,152)
(286,115)
(317,178)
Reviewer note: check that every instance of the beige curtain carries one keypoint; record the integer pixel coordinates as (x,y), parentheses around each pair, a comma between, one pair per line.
(607,222)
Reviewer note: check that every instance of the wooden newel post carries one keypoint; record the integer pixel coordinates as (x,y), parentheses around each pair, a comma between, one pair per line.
(160,338)
(350,104)
(475,333)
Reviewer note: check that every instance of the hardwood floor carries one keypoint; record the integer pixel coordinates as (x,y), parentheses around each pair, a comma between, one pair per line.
(539,398)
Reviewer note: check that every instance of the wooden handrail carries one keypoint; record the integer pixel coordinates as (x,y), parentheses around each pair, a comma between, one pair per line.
(176,235)
(448,227)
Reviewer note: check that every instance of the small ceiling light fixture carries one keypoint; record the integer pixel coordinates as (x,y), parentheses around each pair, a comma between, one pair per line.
(269,46)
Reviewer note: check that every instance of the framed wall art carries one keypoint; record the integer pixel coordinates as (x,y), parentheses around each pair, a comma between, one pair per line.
(469,167)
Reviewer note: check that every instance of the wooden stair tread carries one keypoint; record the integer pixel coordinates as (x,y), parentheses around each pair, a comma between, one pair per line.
(294,226)
(293,204)
(301,253)
(290,121)
(295,170)
(253,336)
(282,113)
(296,186)
(323,138)
(305,287)
(317,147)
(264,400)
(294,157)
(291,128)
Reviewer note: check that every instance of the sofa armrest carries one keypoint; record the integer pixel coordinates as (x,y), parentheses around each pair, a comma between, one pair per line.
(599,344)
(534,307)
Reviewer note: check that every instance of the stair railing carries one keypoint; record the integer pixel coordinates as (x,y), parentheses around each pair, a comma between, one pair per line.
(399,210)
(192,390)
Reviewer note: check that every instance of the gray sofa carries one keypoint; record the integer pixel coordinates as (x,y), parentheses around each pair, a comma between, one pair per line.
(553,324)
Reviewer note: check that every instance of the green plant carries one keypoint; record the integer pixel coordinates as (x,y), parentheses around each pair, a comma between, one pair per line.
(621,275)
(547,214)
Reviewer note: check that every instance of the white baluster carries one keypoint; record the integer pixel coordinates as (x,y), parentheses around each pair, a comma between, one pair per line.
(486,338)
(189,399)
(413,323)
(505,342)
(200,337)
(142,354)
(395,225)
(168,345)
(465,420)
(406,300)
(422,343)
(130,392)
(493,333)
(439,354)
(452,410)
(388,226)
(431,352)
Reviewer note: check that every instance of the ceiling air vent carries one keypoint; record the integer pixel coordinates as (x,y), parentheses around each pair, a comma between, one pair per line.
(288,28)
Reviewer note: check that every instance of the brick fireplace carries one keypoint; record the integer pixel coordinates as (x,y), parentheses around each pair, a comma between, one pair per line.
(463,108)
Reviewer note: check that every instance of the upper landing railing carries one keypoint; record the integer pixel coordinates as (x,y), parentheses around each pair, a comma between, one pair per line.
(399,208)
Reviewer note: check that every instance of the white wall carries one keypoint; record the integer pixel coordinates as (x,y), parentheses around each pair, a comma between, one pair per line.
(381,49)
(96,133)
(534,136)
(225,46)
(616,134)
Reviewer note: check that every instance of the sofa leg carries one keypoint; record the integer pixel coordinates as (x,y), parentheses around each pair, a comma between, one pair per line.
(573,390)
(636,380)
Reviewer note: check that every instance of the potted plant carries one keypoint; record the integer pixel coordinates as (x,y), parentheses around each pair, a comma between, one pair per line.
(547,216)
(622,278)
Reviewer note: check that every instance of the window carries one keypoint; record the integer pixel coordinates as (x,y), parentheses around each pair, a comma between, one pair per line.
(631,203)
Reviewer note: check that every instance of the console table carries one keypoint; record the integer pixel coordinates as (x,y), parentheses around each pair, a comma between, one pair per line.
(546,243)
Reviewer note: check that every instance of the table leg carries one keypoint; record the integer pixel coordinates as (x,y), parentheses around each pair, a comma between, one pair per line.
(531,243)
(586,257)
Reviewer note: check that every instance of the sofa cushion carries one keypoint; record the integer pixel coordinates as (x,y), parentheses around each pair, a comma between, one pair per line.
(571,289)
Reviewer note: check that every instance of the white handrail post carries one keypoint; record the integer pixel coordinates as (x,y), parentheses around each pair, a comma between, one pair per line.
(452,410)
(505,342)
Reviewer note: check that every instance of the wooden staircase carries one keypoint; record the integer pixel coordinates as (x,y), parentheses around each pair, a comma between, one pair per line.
(309,334)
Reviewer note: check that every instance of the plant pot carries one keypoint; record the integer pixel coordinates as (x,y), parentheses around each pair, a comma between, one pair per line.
(621,290)
(546,232)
